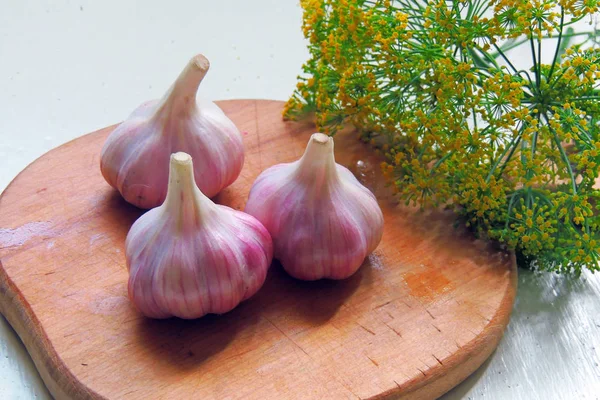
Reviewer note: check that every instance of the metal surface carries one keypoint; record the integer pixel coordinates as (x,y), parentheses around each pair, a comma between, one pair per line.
(64,68)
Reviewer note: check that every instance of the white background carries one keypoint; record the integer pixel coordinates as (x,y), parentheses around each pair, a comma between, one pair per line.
(70,67)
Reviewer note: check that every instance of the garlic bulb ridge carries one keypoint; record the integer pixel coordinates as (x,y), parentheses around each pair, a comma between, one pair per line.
(190,257)
(135,157)
(323,222)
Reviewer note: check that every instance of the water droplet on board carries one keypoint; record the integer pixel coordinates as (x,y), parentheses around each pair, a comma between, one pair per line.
(365,173)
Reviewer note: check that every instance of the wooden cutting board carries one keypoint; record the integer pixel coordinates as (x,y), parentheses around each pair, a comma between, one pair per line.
(423,312)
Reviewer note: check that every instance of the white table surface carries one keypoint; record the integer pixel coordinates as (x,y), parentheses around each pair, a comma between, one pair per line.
(71,67)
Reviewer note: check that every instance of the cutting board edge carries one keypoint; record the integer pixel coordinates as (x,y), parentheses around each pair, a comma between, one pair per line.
(57,377)
(479,350)
(23,320)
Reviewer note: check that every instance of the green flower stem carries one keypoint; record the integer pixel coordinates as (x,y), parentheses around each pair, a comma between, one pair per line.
(560,36)
(564,156)
(536,67)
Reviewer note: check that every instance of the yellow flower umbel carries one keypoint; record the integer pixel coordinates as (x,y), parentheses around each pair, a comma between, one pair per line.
(514,152)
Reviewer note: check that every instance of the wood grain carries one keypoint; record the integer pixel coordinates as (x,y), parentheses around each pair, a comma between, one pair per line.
(423,312)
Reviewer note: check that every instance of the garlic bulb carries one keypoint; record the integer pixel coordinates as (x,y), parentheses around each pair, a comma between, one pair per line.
(190,257)
(322,220)
(135,157)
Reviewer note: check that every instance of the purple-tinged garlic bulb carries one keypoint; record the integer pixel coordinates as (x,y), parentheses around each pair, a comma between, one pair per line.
(191,257)
(135,157)
(323,222)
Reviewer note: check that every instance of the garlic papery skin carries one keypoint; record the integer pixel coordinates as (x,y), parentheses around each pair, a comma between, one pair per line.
(135,157)
(322,220)
(191,257)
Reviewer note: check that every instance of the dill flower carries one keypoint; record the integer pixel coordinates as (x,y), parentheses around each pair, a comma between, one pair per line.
(515,152)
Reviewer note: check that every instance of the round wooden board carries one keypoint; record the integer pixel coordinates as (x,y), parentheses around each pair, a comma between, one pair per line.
(423,312)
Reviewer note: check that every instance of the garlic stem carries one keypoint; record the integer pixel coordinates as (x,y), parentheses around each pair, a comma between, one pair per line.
(318,161)
(181,98)
(183,196)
